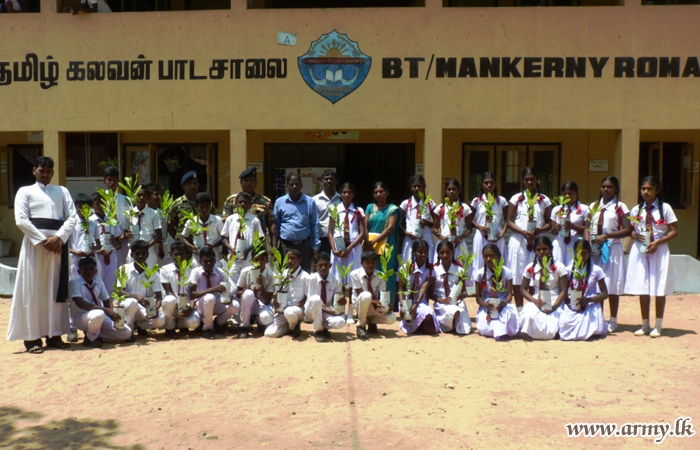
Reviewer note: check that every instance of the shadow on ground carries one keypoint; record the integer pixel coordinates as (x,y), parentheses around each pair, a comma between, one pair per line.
(78,434)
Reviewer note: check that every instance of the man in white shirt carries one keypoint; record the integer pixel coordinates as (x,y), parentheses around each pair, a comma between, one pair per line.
(293,308)
(46,215)
(324,200)
(366,286)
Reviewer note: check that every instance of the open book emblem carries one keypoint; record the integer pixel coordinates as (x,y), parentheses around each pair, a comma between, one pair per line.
(334,66)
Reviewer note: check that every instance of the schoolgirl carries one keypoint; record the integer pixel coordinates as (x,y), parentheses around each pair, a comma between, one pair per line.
(489,219)
(420,284)
(454,219)
(495,318)
(449,297)
(417,220)
(568,223)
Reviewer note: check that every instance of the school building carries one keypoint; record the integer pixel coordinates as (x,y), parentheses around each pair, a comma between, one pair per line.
(378,90)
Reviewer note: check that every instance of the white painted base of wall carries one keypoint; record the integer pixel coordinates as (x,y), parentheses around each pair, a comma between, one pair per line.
(8,273)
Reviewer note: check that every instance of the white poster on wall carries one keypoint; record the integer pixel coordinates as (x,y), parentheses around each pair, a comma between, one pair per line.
(311,177)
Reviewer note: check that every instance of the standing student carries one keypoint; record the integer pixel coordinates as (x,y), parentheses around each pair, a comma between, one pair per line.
(322,288)
(170,277)
(163,247)
(569,219)
(611,225)
(46,216)
(452,313)
(81,236)
(352,230)
(413,219)
(260,207)
(366,286)
(324,200)
(231,234)
(521,244)
(90,307)
(536,321)
(420,285)
(488,286)
(456,233)
(293,313)
(650,271)
(111,181)
(256,296)
(209,238)
(145,225)
(481,220)
(588,320)
(107,261)
(382,224)
(206,287)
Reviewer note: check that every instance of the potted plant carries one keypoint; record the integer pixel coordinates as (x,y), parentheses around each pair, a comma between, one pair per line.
(405,274)
(594,213)
(109,206)
(580,274)
(197,229)
(530,201)
(183,266)
(283,277)
(341,242)
(241,243)
(118,300)
(87,242)
(498,287)
(258,249)
(466,260)
(151,274)
(227,267)
(385,274)
(421,210)
(545,294)
(344,272)
(130,187)
(452,212)
(489,213)
(562,215)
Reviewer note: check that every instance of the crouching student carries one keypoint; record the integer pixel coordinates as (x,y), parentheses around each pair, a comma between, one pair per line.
(136,312)
(206,287)
(293,313)
(256,295)
(489,286)
(422,279)
(540,320)
(90,307)
(585,319)
(175,284)
(322,289)
(233,237)
(366,286)
(451,312)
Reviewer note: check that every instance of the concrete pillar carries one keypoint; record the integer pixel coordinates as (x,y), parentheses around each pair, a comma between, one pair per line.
(627,165)
(432,159)
(237,156)
(55,147)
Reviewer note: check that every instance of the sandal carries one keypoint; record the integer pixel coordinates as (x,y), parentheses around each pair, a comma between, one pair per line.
(34,347)
(36,350)
(56,342)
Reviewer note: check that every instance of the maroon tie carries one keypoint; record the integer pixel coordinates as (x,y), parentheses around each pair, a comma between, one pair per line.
(92,293)
(178,284)
(346,229)
(567,239)
(324,296)
(446,284)
(649,220)
(208,275)
(107,258)
(414,286)
(600,221)
(369,288)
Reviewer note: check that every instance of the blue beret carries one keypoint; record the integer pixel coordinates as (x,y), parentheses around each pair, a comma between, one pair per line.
(186,177)
(249,172)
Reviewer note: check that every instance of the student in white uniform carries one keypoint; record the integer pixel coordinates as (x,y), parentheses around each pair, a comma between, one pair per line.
(90,307)
(256,296)
(526,226)
(568,223)
(420,284)
(136,314)
(231,237)
(111,182)
(81,238)
(535,321)
(107,263)
(352,230)
(481,221)
(210,238)
(322,289)
(206,287)
(413,221)
(458,234)
(145,226)
(163,247)
(366,286)
(605,230)
(488,286)
(588,320)
(650,271)
(450,307)
(171,279)
(296,290)
(327,198)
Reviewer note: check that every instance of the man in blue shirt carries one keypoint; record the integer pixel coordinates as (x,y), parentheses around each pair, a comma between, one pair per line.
(296,218)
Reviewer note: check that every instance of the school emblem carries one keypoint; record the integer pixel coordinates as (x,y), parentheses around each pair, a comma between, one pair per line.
(334,66)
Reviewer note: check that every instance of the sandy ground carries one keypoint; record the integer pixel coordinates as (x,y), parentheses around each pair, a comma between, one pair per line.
(445,392)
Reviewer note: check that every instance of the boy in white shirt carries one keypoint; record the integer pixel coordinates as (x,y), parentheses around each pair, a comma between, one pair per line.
(321,291)
(90,307)
(293,313)
(206,287)
(366,286)
(136,304)
(107,263)
(163,247)
(211,238)
(232,238)
(81,237)
(171,279)
(256,296)
(145,226)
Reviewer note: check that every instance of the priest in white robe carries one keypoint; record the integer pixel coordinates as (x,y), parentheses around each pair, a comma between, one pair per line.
(46,215)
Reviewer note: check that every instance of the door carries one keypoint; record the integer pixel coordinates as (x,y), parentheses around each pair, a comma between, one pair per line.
(5,176)
(545,160)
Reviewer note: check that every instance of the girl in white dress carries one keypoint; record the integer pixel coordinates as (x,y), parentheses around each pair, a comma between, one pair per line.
(452,313)
(568,223)
(537,321)
(649,271)
(526,225)
(414,224)
(588,319)
(488,287)
(445,230)
(481,221)
(421,283)
(605,230)
(352,230)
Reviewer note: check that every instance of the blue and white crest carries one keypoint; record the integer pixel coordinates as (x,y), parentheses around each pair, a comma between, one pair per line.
(334,66)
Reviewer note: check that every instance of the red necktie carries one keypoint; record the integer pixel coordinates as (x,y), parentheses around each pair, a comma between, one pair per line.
(542,285)
(567,239)
(369,288)
(446,284)
(178,284)
(138,222)
(649,220)
(600,221)
(204,234)
(414,286)
(208,275)
(107,258)
(346,229)
(92,292)
(324,296)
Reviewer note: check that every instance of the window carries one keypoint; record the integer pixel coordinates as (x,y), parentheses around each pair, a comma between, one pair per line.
(87,154)
(505,3)
(672,163)
(20,6)
(148,5)
(16,164)
(670,2)
(281,4)
(507,161)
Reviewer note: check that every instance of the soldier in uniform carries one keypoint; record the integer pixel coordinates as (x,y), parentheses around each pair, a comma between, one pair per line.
(190,183)
(261,206)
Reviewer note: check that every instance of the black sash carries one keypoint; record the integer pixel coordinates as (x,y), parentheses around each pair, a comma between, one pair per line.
(55,225)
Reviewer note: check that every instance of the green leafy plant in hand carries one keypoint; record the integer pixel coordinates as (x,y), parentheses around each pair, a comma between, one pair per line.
(578,269)
(281,269)
(546,274)
(404,275)
(130,186)
(335,215)
(344,272)
(498,271)
(120,283)
(258,248)
(241,220)
(530,201)
(183,266)
(195,224)
(384,259)
(85,212)
(452,211)
(423,208)
(561,200)
(166,203)
(150,273)
(592,215)
(488,205)
(109,207)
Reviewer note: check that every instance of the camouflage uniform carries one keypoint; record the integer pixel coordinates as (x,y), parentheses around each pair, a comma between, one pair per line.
(261,207)
(175,217)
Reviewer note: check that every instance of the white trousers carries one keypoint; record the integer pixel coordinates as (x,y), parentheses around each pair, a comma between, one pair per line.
(209,306)
(367,312)
(95,323)
(250,305)
(135,313)
(283,322)
(173,318)
(321,320)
